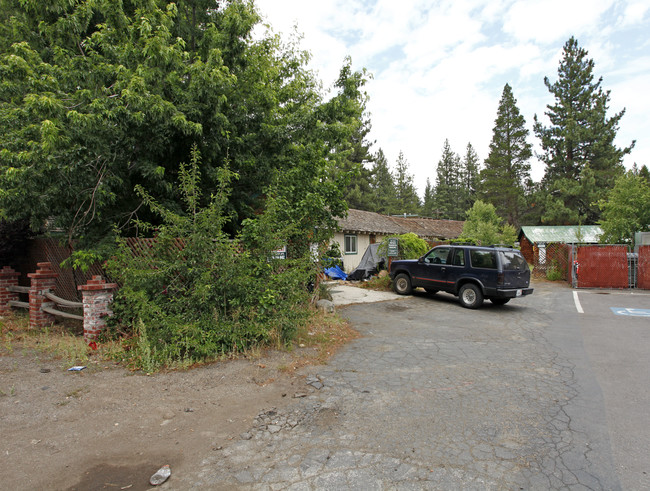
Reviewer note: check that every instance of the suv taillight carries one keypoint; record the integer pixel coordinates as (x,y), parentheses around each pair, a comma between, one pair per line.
(500,279)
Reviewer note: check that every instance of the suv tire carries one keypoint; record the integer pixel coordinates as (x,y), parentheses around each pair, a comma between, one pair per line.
(470,296)
(402,284)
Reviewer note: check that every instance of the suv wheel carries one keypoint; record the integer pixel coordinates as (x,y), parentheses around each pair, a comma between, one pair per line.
(402,284)
(470,296)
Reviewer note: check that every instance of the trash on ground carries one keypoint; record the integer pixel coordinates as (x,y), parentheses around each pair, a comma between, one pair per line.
(78,368)
(161,475)
(336,273)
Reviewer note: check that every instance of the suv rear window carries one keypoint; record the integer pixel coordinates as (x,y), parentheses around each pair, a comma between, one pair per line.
(483,259)
(513,261)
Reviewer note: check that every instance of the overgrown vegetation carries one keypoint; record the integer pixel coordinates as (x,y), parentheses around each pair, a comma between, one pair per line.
(196,294)
(410,246)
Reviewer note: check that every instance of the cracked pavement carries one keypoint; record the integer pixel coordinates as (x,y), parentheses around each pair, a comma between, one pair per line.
(433,396)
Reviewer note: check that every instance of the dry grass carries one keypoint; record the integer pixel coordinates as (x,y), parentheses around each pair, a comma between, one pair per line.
(380,283)
(320,339)
(63,341)
(314,344)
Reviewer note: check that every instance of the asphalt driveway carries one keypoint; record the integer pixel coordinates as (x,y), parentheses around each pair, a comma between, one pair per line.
(530,395)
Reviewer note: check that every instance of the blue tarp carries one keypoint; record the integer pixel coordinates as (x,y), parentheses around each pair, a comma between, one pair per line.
(336,273)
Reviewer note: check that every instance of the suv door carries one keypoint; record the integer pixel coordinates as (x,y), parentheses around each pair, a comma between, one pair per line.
(430,272)
(456,267)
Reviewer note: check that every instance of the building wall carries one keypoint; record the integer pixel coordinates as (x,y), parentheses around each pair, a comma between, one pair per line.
(351,261)
(527,250)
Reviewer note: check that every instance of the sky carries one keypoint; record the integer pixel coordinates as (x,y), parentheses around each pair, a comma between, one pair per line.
(439,67)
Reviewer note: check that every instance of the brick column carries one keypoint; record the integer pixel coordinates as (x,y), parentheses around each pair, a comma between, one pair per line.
(8,277)
(43,280)
(96,297)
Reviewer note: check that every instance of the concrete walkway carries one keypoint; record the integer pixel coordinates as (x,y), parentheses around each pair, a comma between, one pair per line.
(345,293)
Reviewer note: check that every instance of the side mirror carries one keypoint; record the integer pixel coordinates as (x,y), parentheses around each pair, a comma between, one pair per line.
(421,259)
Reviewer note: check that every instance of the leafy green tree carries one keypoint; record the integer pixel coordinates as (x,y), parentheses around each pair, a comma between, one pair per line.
(581,135)
(484,227)
(449,202)
(98,97)
(626,209)
(384,196)
(407,200)
(506,167)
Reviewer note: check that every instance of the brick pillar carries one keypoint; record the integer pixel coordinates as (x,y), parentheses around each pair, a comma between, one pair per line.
(43,280)
(96,297)
(8,277)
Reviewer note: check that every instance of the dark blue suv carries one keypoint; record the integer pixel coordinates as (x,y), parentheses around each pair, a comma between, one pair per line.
(472,273)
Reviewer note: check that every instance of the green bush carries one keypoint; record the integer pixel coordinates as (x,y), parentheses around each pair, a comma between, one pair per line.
(197,294)
(410,246)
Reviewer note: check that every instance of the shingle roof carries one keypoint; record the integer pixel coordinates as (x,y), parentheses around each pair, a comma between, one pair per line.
(566,234)
(359,221)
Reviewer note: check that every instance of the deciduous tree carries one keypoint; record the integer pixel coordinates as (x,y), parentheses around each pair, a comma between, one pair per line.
(626,209)
(98,97)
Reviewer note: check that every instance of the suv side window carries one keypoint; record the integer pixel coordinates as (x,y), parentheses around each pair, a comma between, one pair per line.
(458,258)
(438,255)
(483,259)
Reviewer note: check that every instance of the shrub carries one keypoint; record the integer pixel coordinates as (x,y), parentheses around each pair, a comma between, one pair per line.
(198,294)
(410,246)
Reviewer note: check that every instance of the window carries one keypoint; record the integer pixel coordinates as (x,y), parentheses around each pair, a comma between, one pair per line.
(350,244)
(459,257)
(483,259)
(513,261)
(437,256)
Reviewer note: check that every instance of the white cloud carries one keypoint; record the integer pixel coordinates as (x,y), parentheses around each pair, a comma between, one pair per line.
(440,67)
(551,20)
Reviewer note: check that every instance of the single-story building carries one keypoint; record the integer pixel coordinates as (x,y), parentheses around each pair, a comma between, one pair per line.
(534,239)
(361,228)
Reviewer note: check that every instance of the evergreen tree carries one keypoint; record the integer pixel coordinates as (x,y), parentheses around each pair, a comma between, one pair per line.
(354,153)
(580,137)
(429,205)
(384,197)
(471,176)
(448,182)
(506,168)
(407,197)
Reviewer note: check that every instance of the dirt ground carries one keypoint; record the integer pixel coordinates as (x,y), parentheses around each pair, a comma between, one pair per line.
(107,428)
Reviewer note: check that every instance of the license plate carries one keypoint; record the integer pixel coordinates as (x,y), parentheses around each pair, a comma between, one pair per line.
(519,293)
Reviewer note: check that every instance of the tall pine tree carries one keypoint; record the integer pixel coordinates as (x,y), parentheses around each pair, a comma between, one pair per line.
(428,204)
(506,168)
(448,183)
(581,159)
(407,197)
(383,193)
(471,176)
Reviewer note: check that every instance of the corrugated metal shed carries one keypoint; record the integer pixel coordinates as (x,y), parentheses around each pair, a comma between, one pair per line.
(359,221)
(566,234)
